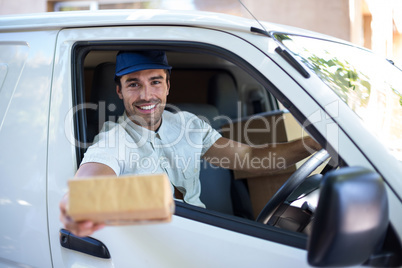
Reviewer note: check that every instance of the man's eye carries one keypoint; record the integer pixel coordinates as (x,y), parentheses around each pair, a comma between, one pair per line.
(156,82)
(133,85)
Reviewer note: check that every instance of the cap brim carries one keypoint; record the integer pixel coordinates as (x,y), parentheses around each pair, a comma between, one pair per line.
(133,69)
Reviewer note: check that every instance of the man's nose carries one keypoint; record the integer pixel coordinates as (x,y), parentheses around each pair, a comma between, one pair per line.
(146,93)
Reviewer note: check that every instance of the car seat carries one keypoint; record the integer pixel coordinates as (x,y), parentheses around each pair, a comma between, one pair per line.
(215,181)
(103,94)
(222,93)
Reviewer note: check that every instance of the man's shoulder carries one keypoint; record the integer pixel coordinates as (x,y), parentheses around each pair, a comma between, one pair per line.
(109,126)
(178,116)
(110,129)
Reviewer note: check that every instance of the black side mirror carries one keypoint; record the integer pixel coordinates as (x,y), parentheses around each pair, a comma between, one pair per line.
(351,218)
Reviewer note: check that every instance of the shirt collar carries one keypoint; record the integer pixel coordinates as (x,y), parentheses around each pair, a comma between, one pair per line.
(143,132)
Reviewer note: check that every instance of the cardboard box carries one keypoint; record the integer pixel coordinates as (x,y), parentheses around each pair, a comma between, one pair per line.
(133,199)
(269,127)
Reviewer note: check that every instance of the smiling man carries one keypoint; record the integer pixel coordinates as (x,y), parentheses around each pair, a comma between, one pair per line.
(143,91)
(148,139)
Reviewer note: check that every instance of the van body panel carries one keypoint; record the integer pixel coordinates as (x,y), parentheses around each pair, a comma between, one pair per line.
(142,241)
(24,113)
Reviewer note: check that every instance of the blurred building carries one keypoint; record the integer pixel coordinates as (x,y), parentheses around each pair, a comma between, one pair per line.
(374,24)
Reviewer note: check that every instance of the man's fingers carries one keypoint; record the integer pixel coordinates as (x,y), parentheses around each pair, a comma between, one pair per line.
(63,204)
(99,226)
(87,228)
(83,228)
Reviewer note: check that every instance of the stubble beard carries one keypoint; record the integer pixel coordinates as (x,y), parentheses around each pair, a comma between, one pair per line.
(149,121)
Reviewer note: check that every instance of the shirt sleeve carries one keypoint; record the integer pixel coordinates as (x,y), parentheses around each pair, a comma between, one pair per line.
(94,155)
(198,132)
(210,136)
(104,151)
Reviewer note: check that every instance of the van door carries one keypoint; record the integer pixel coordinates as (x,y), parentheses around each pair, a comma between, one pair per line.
(26,63)
(186,241)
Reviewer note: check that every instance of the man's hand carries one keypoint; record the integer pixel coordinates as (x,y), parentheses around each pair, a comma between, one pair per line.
(82,228)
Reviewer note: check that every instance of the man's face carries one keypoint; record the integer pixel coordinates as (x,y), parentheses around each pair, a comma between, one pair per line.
(144,94)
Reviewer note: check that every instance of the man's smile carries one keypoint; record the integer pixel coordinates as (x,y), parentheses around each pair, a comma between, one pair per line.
(147,107)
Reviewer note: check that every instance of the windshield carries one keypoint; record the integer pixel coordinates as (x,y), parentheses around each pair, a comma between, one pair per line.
(367,83)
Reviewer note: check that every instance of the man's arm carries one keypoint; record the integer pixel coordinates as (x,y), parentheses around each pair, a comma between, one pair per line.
(94,169)
(233,155)
(83,228)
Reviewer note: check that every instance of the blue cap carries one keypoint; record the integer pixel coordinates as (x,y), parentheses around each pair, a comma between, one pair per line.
(130,61)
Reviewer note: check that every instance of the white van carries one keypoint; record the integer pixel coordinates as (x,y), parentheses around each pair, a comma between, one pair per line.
(254,83)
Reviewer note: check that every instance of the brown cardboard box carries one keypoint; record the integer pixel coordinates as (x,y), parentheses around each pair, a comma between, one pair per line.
(121,200)
(270,127)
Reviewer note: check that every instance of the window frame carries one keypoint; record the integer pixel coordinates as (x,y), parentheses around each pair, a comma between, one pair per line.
(79,51)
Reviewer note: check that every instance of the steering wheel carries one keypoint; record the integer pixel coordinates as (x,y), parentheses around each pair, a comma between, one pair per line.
(291,184)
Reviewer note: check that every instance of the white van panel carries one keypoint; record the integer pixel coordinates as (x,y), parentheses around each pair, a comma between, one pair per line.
(12,59)
(26,67)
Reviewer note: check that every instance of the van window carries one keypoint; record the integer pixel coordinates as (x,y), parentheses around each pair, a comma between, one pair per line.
(374,94)
(213,84)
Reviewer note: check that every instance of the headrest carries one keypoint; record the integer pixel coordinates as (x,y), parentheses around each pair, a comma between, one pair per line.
(206,112)
(222,93)
(104,90)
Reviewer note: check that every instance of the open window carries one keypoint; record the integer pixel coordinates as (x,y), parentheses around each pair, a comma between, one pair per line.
(228,93)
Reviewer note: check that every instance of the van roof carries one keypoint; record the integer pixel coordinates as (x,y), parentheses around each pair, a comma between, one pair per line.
(127,17)
(68,19)
(98,18)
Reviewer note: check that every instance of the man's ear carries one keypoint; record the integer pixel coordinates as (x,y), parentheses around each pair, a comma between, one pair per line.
(118,91)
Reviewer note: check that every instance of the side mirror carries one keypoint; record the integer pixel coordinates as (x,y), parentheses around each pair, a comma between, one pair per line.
(351,218)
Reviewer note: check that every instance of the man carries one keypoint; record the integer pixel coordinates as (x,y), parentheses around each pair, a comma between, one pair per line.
(148,139)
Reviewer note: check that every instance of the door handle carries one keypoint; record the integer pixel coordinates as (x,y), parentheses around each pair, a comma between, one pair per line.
(87,245)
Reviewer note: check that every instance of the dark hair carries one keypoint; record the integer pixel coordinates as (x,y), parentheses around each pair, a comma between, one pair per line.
(118,82)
